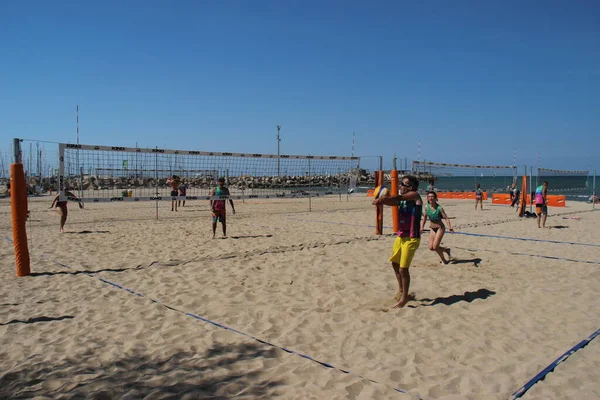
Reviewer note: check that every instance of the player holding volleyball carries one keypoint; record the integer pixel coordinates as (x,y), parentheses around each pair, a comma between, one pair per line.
(218,207)
(410,210)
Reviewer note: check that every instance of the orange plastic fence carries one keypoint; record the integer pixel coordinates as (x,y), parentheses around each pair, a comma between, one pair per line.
(460,195)
(445,195)
(553,200)
(501,198)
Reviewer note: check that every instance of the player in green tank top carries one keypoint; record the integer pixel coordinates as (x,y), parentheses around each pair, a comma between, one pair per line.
(435,214)
(478,196)
(218,207)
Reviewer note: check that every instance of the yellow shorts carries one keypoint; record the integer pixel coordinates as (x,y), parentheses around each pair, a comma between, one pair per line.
(404,251)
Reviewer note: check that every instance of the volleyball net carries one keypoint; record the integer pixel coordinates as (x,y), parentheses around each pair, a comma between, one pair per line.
(564,180)
(465,177)
(113,173)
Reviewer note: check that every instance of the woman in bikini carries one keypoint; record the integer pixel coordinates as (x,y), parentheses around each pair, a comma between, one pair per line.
(435,214)
(61,207)
(478,196)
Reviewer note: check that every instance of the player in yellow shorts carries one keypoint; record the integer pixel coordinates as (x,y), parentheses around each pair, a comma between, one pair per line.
(410,210)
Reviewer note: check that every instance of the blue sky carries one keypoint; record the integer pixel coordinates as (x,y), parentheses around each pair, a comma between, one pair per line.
(472,80)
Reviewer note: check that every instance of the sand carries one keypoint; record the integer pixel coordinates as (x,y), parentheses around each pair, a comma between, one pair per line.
(317,283)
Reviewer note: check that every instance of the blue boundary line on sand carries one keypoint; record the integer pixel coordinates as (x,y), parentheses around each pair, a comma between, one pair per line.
(531,255)
(218,325)
(539,377)
(461,233)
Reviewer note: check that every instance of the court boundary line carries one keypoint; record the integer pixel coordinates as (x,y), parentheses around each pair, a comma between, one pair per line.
(542,374)
(225,327)
(529,255)
(460,233)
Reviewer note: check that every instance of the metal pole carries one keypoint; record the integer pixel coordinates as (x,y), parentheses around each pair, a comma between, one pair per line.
(81,169)
(594,192)
(278,140)
(309,188)
(17,151)
(156,181)
(530,183)
(381,163)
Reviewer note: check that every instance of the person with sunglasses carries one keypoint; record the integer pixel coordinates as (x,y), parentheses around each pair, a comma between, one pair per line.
(410,210)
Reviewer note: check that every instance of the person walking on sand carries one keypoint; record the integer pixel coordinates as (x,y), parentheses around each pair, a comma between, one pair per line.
(410,210)
(514,196)
(218,207)
(182,193)
(174,182)
(436,214)
(61,207)
(478,196)
(541,203)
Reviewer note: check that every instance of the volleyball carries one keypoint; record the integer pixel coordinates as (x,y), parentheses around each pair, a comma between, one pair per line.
(380,191)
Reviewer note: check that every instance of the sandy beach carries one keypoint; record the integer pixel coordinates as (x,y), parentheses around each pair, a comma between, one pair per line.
(316,283)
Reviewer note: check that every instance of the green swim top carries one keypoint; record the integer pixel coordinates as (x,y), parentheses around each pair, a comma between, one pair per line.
(434,216)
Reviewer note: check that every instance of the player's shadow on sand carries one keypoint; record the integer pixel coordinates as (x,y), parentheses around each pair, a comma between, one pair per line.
(53,273)
(481,294)
(559,227)
(474,261)
(86,232)
(37,319)
(219,372)
(250,236)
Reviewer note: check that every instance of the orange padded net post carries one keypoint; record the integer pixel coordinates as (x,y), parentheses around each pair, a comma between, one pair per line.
(379,217)
(18,200)
(394,192)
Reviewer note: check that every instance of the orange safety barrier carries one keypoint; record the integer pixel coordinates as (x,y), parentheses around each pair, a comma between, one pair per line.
(370,192)
(501,198)
(18,202)
(553,200)
(557,201)
(460,195)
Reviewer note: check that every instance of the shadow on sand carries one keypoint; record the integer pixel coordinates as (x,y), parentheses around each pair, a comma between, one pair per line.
(86,232)
(53,273)
(37,319)
(221,372)
(250,236)
(474,261)
(481,294)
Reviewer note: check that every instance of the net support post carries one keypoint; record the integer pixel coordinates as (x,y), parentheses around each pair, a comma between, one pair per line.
(394,192)
(379,208)
(61,173)
(18,203)
(594,192)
